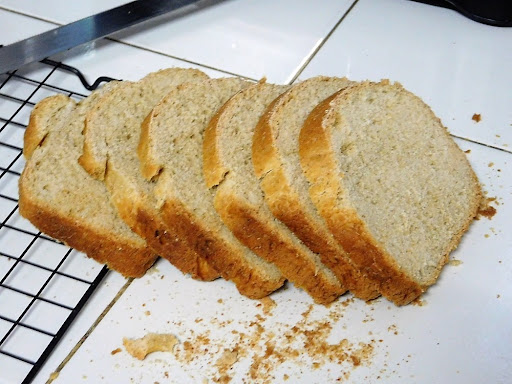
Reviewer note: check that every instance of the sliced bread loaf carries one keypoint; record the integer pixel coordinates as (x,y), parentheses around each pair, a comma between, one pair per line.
(275,154)
(112,133)
(395,190)
(170,151)
(62,200)
(239,198)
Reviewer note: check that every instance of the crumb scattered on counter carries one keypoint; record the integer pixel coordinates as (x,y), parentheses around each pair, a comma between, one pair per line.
(256,351)
(455,262)
(486,209)
(117,350)
(152,342)
(476,117)
(268,305)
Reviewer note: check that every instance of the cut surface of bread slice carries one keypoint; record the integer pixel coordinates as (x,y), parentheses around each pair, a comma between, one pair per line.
(170,151)
(112,133)
(62,200)
(392,185)
(275,154)
(239,198)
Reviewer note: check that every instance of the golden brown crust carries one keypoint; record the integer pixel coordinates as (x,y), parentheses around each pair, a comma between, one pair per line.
(88,161)
(259,235)
(319,165)
(219,254)
(37,129)
(264,155)
(213,170)
(148,167)
(145,221)
(175,250)
(128,259)
(287,207)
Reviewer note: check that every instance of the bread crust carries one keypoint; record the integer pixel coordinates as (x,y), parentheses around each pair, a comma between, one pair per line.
(260,236)
(218,253)
(128,259)
(144,220)
(149,167)
(349,230)
(287,207)
(37,129)
(213,170)
(89,162)
(130,199)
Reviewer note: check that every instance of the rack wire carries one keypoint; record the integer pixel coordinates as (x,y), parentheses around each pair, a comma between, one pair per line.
(43,283)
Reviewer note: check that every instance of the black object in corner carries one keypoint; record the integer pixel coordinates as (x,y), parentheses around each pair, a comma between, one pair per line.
(492,12)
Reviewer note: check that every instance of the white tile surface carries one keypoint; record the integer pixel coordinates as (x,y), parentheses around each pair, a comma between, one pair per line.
(463,328)
(252,38)
(457,66)
(15,27)
(61,12)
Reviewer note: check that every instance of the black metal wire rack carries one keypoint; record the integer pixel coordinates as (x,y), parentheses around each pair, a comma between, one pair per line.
(43,283)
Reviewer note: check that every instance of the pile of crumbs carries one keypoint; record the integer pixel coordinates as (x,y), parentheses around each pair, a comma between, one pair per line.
(256,352)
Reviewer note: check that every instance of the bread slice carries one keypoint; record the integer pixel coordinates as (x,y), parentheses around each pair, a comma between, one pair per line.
(239,198)
(62,200)
(112,133)
(170,150)
(275,154)
(395,190)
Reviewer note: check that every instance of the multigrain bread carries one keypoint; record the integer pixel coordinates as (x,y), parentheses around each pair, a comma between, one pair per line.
(170,151)
(393,187)
(275,154)
(62,200)
(111,135)
(239,198)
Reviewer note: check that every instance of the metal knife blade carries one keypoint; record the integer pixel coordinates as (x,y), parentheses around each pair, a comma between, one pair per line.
(49,43)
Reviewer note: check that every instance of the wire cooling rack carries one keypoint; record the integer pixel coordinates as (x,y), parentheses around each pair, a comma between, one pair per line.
(43,283)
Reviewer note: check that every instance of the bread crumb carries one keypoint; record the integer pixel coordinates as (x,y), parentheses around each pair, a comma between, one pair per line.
(486,209)
(491,164)
(226,360)
(152,342)
(455,262)
(467,151)
(117,350)
(476,117)
(147,313)
(220,301)
(268,305)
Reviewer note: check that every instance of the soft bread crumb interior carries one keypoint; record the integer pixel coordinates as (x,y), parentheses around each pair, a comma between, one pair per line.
(404,175)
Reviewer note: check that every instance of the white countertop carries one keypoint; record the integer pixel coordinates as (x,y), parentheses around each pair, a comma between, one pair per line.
(462,333)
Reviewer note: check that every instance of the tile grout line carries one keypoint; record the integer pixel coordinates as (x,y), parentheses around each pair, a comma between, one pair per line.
(55,374)
(178,58)
(134,45)
(509,151)
(321,44)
